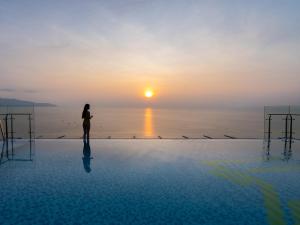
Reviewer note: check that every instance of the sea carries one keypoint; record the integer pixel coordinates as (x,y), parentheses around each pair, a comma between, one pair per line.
(149,122)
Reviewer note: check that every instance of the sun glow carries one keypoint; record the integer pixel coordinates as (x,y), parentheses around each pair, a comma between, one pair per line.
(148,93)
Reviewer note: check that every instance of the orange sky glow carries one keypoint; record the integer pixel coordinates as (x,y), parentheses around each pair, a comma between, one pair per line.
(109,55)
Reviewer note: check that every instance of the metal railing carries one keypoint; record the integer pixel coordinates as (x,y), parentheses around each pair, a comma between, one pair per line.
(9,125)
(288,128)
(8,131)
(2,130)
(288,132)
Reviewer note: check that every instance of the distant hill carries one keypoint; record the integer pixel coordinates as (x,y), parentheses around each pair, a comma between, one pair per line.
(17,102)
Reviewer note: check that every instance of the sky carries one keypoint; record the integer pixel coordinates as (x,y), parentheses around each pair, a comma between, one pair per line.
(189,52)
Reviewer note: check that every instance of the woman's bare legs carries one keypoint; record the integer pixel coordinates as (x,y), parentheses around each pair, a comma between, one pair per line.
(86,132)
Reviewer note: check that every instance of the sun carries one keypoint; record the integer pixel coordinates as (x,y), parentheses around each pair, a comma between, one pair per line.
(148,94)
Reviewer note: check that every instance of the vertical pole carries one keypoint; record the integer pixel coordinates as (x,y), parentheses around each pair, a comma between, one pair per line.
(291,129)
(29,118)
(6,134)
(12,126)
(286,126)
(12,134)
(6,127)
(2,132)
(30,135)
(2,152)
(264,123)
(286,131)
(269,130)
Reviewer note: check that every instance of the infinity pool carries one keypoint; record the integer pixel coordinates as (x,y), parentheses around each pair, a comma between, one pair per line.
(146,182)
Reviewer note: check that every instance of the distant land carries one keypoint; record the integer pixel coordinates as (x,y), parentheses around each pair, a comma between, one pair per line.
(17,102)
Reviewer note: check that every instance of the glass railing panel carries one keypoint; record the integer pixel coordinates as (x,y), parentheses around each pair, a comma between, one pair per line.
(149,122)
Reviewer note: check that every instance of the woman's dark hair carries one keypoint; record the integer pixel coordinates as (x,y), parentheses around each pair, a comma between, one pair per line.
(85,109)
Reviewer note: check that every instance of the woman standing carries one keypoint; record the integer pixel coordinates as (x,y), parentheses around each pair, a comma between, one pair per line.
(86,116)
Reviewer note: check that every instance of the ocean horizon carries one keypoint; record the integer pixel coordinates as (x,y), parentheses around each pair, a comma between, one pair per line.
(150,122)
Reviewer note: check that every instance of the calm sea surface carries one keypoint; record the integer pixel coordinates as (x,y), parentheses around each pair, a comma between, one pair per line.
(52,122)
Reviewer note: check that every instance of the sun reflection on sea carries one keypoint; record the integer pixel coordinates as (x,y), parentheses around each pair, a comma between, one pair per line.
(148,123)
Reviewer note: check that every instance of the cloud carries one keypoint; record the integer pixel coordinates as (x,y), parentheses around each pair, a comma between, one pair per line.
(7,90)
(30,91)
(11,90)
(188,49)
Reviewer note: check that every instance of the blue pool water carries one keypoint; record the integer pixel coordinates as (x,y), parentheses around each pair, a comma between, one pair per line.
(150,182)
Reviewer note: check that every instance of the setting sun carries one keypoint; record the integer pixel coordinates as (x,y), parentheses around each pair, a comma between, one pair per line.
(148,93)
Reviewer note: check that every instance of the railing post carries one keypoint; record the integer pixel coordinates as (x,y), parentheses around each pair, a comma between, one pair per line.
(12,134)
(286,131)
(6,127)
(286,126)
(30,134)
(2,131)
(269,132)
(6,133)
(29,118)
(2,152)
(12,126)
(269,127)
(291,129)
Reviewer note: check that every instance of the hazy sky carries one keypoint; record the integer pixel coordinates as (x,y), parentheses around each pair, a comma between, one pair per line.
(196,52)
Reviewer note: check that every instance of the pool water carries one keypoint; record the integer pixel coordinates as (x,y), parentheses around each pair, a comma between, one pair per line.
(150,182)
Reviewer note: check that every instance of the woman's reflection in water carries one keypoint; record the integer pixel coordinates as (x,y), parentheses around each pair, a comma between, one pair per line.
(86,159)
